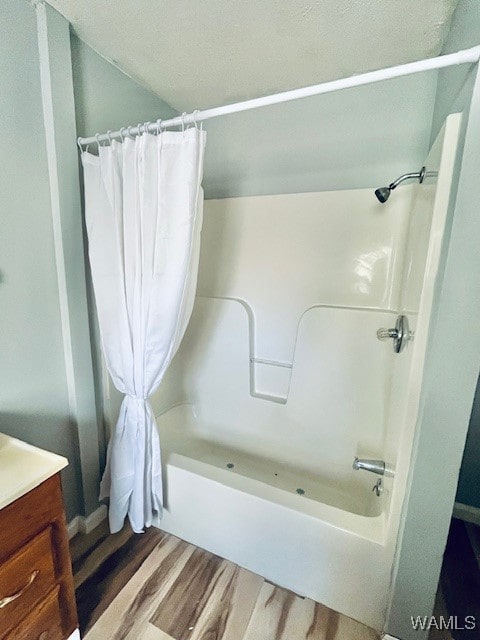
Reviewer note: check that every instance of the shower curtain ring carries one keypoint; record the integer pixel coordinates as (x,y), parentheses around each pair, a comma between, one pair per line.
(109,134)
(146,126)
(79,145)
(97,138)
(184,114)
(194,116)
(129,131)
(139,129)
(122,137)
(159,126)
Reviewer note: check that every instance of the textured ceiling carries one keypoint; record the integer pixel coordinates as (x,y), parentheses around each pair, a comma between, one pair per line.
(199,53)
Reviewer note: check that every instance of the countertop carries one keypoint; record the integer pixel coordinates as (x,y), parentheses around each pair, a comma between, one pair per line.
(23,467)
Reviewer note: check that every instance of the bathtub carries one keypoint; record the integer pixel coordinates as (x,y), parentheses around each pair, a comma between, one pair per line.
(353,507)
(325,544)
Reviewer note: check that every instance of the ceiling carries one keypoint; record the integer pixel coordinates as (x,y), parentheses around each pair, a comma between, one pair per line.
(201,53)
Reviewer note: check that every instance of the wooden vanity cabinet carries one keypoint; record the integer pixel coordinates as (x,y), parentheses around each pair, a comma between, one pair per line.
(37,597)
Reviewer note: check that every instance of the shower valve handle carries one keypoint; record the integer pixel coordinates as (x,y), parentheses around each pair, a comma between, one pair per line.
(386,334)
(400,334)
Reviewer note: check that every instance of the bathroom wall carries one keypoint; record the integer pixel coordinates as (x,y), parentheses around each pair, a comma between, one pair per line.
(455,84)
(454,92)
(106,98)
(34,402)
(452,361)
(351,139)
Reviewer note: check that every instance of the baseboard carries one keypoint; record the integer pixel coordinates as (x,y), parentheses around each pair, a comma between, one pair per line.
(73,527)
(467,513)
(75,635)
(387,636)
(82,524)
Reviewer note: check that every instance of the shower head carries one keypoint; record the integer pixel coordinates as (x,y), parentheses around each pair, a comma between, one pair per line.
(383,193)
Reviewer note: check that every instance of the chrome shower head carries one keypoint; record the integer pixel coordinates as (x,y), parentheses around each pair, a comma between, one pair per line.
(383,193)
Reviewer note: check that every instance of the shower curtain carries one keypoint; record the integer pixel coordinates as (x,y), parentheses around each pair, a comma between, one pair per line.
(144,209)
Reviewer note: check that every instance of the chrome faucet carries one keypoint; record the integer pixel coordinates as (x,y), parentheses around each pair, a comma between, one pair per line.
(375,466)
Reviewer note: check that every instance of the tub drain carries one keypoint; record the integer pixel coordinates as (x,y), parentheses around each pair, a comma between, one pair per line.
(300,492)
(230,465)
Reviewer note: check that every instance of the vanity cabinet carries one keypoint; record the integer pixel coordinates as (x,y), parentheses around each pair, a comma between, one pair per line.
(37,597)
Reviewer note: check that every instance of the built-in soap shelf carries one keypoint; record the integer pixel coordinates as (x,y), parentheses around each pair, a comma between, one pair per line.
(270,380)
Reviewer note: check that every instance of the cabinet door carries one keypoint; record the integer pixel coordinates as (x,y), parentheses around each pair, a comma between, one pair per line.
(43,623)
(25,578)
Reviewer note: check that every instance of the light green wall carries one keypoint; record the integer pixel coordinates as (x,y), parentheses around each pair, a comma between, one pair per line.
(455,84)
(454,93)
(106,98)
(33,390)
(351,139)
(453,356)
(59,122)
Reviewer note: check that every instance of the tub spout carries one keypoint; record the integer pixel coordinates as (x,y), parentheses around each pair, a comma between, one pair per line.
(375,466)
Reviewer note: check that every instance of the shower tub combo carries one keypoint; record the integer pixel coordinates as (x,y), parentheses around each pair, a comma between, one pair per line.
(281,382)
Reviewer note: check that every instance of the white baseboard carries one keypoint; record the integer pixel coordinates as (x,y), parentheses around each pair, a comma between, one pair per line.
(387,636)
(82,524)
(75,635)
(73,527)
(466,512)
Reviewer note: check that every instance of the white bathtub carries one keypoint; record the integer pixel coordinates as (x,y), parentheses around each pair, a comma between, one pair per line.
(353,507)
(328,544)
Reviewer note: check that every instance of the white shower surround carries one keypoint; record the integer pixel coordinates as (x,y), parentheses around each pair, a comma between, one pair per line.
(336,542)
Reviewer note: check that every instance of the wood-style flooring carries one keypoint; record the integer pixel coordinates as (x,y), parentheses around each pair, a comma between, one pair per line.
(155,586)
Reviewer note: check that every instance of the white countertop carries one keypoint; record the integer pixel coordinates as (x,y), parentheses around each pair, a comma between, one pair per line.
(23,467)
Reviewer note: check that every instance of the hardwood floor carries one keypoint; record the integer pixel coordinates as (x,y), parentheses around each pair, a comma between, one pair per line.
(155,586)
(102,572)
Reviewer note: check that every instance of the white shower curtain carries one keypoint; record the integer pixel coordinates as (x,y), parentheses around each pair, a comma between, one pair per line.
(144,208)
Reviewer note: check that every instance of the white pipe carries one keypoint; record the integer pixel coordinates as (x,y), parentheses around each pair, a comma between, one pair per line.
(461,57)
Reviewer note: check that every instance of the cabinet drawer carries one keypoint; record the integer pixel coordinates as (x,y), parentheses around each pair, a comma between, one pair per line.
(25,578)
(43,623)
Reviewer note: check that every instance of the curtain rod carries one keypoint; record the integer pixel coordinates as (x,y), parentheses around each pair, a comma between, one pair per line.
(461,57)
